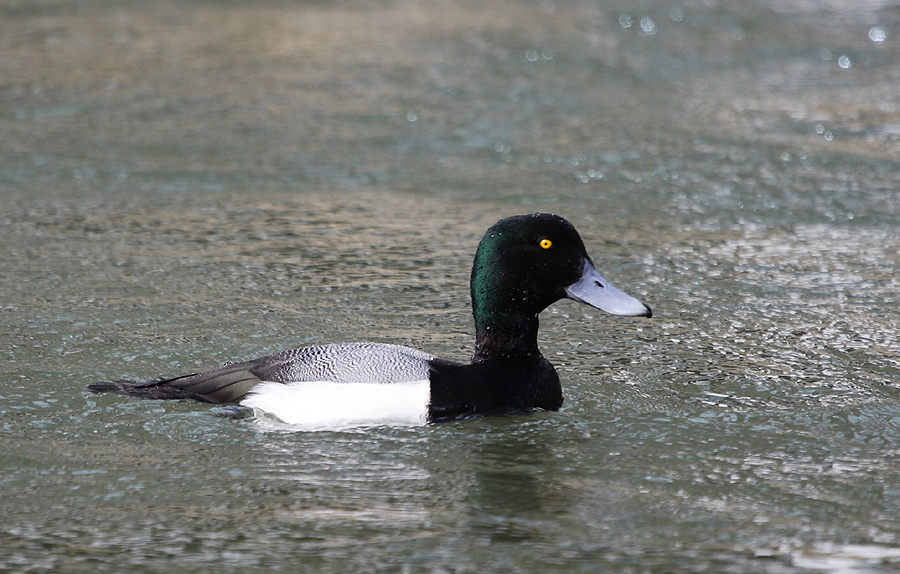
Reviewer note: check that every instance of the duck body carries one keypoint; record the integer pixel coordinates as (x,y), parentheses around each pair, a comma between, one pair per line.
(522,265)
(363,383)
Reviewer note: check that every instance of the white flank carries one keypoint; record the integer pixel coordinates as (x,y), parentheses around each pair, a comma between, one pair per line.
(326,405)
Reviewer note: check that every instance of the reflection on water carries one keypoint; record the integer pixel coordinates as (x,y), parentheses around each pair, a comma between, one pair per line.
(190,183)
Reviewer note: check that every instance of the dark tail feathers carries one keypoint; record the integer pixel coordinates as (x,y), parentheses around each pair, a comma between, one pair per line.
(227,384)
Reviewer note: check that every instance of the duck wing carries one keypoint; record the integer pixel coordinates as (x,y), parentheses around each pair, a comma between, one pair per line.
(373,363)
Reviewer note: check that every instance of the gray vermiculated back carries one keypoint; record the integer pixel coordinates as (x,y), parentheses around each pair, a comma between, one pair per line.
(378,363)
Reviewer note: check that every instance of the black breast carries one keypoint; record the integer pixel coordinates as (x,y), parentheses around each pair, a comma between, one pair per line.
(495,385)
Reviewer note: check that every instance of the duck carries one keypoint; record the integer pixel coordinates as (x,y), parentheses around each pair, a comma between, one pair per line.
(522,265)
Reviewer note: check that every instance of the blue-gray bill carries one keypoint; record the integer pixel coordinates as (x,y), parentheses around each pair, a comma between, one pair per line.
(594,290)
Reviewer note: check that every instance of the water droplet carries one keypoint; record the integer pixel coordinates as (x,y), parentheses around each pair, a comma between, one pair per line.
(538,55)
(648,26)
(876,34)
(785,156)
(844,61)
(676,14)
(411,116)
(820,129)
(829,136)
(626,21)
(826,54)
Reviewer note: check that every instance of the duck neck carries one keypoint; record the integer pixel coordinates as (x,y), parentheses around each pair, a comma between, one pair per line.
(514,337)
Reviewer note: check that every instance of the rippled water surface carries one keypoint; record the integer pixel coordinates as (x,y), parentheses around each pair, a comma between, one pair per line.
(186,183)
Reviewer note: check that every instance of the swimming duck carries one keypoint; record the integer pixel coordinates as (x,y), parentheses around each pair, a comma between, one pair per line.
(522,265)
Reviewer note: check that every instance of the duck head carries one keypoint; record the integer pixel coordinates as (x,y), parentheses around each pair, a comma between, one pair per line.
(524,264)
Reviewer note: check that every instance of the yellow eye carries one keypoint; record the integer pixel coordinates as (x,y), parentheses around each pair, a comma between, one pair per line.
(545,244)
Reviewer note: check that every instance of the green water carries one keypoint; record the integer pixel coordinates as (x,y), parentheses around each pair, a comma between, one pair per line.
(185,184)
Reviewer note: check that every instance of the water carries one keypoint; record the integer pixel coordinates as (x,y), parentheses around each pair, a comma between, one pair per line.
(189,183)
